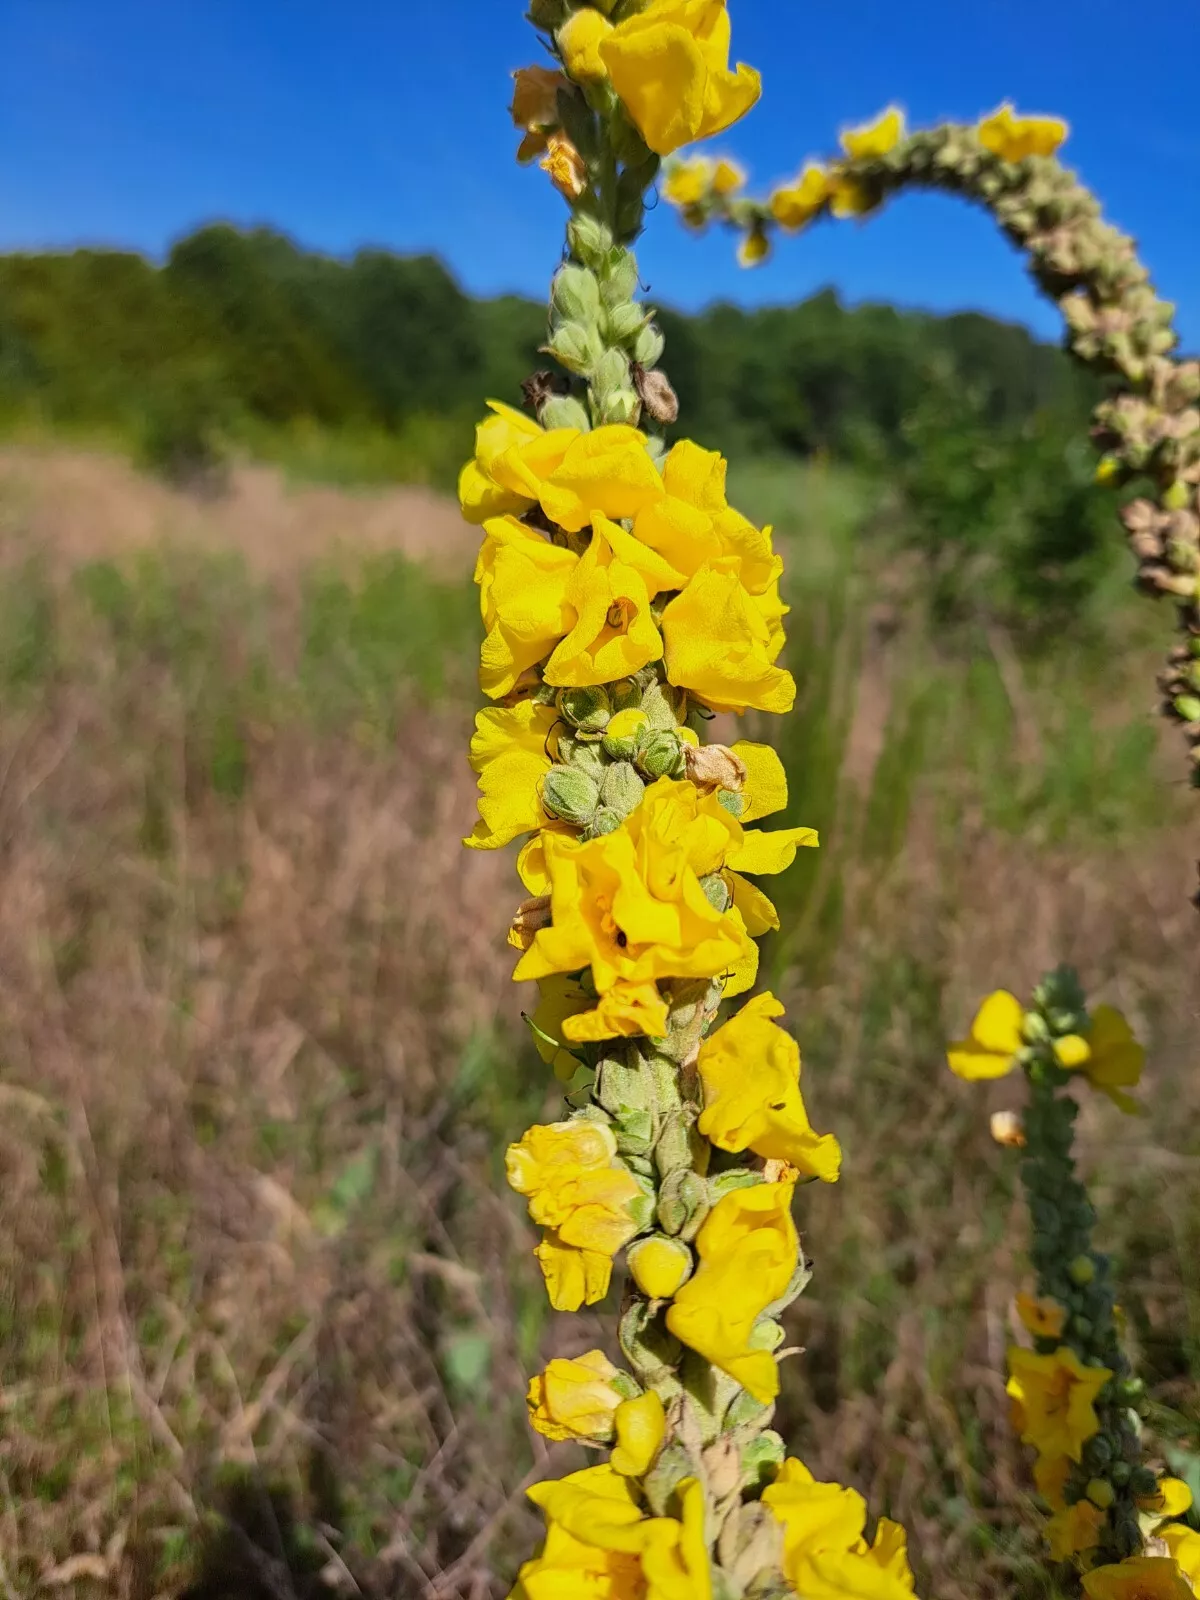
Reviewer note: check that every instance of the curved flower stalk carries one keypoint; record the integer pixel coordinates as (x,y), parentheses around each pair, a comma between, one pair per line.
(1073,1395)
(625,601)
(1147,429)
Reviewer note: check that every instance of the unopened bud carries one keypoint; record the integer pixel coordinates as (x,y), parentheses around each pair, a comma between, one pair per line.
(1143,1481)
(1007,1130)
(588,239)
(622,407)
(605,821)
(1100,1492)
(683,1204)
(611,375)
(619,278)
(1082,1270)
(1187,706)
(661,755)
(660,1265)
(574,296)
(648,347)
(658,397)
(577,346)
(571,794)
(621,736)
(625,322)
(714,766)
(622,789)
(564,411)
(1178,497)
(586,709)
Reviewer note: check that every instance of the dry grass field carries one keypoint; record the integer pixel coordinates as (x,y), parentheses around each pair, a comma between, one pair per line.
(266,1308)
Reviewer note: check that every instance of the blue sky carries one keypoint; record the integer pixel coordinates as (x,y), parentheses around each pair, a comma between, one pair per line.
(127,122)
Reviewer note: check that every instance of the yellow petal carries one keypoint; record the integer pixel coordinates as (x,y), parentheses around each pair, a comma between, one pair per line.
(764,853)
(641,1427)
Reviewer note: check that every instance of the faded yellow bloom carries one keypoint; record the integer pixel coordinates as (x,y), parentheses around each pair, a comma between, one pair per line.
(1138,1578)
(535,107)
(575,1399)
(874,140)
(750,1069)
(1007,1129)
(641,1426)
(825,1553)
(1045,1318)
(565,167)
(748,1252)
(573,1182)
(795,205)
(522,582)
(1056,1397)
(990,1049)
(669,63)
(509,753)
(579,40)
(574,1276)
(1014,138)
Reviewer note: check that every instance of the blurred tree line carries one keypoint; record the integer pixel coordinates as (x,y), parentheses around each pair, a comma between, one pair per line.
(242,335)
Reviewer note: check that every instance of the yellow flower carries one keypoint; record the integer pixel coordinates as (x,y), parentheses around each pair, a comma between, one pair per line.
(559,997)
(625,1011)
(641,1427)
(1184,1546)
(1074,1530)
(574,1276)
(522,582)
(609,593)
(575,1399)
(754,248)
(1050,1474)
(850,197)
(1172,1498)
(1045,1319)
(509,755)
(579,40)
(479,493)
(569,1174)
(659,1265)
(1056,1395)
(565,167)
(687,183)
(1113,1059)
(990,1050)
(629,904)
(1013,138)
(721,646)
(728,178)
(877,139)
(607,471)
(824,1553)
(601,1546)
(1138,1578)
(535,107)
(750,1069)
(795,205)
(748,1252)
(670,66)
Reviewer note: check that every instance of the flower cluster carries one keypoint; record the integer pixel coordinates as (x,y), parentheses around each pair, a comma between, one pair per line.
(625,602)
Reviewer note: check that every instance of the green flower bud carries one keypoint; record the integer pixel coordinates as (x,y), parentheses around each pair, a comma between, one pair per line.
(659,706)
(1120,1473)
(622,789)
(605,821)
(1187,706)
(1033,1027)
(674,1148)
(683,1204)
(732,1178)
(1097,1453)
(622,1087)
(1082,1270)
(661,755)
(648,347)
(1082,1328)
(642,1207)
(574,296)
(1131,1390)
(570,793)
(625,694)
(547,14)
(635,1133)
(1100,1492)
(622,407)
(589,239)
(1178,497)
(1143,1481)
(716,891)
(1194,645)
(625,322)
(588,710)
(611,375)
(577,346)
(564,411)
(619,278)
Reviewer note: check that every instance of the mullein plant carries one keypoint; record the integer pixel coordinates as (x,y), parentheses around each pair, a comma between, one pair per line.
(625,601)
(1147,428)
(1074,1397)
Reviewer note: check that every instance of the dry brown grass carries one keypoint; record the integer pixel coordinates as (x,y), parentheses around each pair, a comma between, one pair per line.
(258,1060)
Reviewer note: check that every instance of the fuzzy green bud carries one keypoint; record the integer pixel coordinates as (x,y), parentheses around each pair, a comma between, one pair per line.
(588,709)
(547,14)
(625,322)
(623,407)
(576,346)
(1120,1473)
(1082,1270)
(574,296)
(1143,1481)
(605,821)
(1033,1028)
(683,1204)
(634,1132)
(661,755)
(564,411)
(1178,497)
(622,789)
(571,794)
(1187,706)
(611,375)
(1100,1492)
(619,278)
(648,347)
(589,239)
(674,1148)
(623,733)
